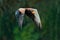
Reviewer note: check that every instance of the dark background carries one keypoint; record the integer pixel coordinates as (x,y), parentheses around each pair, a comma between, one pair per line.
(49,11)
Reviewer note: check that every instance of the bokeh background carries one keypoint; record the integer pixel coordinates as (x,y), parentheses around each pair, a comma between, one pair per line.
(49,11)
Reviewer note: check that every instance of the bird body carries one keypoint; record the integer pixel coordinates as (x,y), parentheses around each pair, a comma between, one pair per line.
(31,13)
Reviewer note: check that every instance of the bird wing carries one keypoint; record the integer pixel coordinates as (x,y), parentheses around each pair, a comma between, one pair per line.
(37,18)
(19,17)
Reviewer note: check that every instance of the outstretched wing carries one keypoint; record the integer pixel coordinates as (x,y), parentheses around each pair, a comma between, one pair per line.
(37,19)
(33,14)
(19,17)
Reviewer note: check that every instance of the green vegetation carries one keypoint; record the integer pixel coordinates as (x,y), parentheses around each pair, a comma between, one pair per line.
(49,11)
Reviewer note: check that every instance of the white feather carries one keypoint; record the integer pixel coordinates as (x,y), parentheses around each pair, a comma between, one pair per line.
(37,18)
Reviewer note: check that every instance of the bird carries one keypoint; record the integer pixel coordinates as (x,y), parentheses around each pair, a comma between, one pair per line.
(32,13)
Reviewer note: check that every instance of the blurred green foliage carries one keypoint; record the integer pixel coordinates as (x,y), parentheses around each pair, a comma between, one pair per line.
(49,11)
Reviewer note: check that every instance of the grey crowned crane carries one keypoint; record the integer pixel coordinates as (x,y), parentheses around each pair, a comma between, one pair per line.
(31,13)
